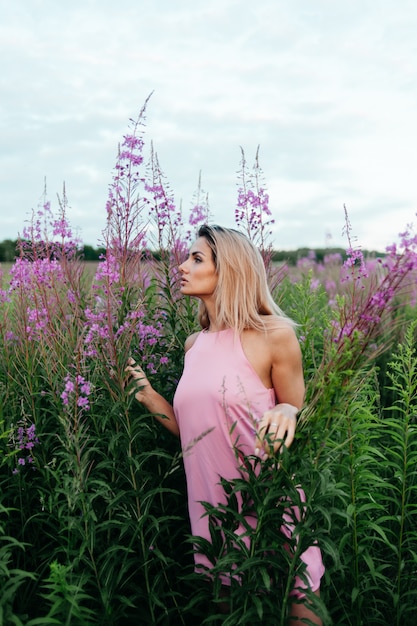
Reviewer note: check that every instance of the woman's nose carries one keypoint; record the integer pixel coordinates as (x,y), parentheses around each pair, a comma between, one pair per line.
(183,267)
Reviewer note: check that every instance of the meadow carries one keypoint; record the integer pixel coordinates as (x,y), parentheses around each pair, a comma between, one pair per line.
(93,518)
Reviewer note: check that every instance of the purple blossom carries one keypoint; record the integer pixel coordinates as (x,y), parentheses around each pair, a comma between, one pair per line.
(314,284)
(37,323)
(23,439)
(198,215)
(76,390)
(4,296)
(252,212)
(108,270)
(126,200)
(39,237)
(28,275)
(61,228)
(133,142)
(375,288)
(335,258)
(330,286)
(83,402)
(71,296)
(134,159)
(307,263)
(355,266)
(97,330)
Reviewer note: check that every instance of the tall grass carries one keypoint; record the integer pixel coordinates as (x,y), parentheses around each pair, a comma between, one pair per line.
(93,520)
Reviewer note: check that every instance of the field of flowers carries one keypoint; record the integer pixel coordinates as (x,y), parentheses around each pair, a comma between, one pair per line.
(93,519)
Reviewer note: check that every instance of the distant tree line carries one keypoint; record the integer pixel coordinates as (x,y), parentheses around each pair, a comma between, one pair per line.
(292,256)
(9,251)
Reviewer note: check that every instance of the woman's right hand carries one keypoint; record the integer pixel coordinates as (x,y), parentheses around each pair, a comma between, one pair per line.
(138,377)
(151,399)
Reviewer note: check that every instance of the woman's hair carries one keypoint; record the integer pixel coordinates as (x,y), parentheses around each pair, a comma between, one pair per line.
(242,294)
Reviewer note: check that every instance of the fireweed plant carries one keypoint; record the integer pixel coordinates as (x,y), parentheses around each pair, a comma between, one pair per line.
(93,520)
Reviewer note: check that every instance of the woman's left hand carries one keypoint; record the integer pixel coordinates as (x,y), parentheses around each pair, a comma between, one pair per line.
(276,428)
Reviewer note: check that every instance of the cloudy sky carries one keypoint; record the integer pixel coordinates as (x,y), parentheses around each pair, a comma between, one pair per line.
(326,88)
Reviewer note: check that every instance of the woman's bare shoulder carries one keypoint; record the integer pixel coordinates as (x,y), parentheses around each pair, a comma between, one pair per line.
(279,331)
(275,323)
(189,342)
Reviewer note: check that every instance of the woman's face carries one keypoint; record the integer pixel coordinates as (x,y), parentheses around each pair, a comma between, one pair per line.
(198,272)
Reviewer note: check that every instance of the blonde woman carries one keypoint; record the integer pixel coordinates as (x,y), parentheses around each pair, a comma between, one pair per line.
(244,366)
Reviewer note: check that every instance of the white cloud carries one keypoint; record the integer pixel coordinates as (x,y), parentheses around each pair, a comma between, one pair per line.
(328,89)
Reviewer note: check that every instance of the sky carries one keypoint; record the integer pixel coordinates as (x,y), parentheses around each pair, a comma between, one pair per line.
(327,89)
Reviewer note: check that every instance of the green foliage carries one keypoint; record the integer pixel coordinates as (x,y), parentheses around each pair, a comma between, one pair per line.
(399,442)
(96,530)
(89,253)
(93,514)
(8,250)
(11,577)
(262,561)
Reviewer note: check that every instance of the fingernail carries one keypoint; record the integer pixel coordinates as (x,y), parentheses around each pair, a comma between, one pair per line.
(256,451)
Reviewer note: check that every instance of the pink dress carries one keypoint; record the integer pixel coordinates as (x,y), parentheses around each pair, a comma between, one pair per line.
(218,389)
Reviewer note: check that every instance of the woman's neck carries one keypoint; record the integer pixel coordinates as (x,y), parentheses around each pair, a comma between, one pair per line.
(215,329)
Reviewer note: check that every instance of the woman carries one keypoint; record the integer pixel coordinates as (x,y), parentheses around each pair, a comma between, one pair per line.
(242,373)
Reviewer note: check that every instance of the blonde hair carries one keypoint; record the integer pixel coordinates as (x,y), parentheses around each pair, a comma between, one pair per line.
(242,295)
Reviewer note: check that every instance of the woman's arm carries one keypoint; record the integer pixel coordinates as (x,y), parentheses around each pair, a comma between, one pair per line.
(151,399)
(280,422)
